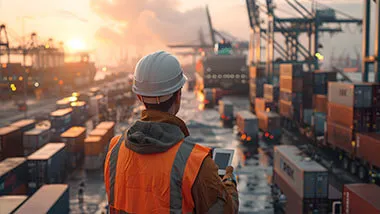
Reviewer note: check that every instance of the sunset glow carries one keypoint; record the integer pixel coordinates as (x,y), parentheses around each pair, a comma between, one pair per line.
(76,45)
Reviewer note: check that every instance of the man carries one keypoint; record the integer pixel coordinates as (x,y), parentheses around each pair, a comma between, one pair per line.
(152,168)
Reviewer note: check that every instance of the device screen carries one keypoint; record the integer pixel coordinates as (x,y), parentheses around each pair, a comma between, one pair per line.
(221,159)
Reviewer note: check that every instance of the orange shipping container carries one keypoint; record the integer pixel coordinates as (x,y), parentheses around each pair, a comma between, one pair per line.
(74,138)
(93,145)
(320,103)
(100,133)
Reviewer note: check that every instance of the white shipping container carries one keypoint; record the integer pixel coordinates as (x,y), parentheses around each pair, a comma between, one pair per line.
(305,176)
(357,95)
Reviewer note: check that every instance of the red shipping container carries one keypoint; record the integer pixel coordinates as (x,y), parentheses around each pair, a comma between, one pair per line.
(346,116)
(11,142)
(361,198)
(368,147)
(291,84)
(340,136)
(320,103)
(294,203)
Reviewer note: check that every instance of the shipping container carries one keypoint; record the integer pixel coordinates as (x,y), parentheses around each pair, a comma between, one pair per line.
(291,70)
(307,116)
(217,94)
(93,106)
(226,110)
(295,98)
(340,136)
(296,204)
(94,152)
(271,92)
(291,85)
(110,127)
(60,120)
(286,109)
(376,94)
(307,97)
(256,72)
(247,124)
(13,173)
(63,103)
(306,177)
(261,104)
(80,112)
(10,203)
(318,122)
(320,103)
(270,124)
(357,95)
(74,140)
(368,147)
(320,81)
(47,166)
(35,139)
(376,119)
(24,125)
(48,199)
(361,198)
(359,119)
(257,88)
(10,142)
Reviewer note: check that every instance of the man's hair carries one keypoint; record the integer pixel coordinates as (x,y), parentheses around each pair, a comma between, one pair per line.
(164,106)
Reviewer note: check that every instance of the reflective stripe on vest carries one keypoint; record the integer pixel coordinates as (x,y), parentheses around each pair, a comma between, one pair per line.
(184,169)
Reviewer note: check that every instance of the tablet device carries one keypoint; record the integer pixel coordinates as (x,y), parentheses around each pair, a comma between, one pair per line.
(223,158)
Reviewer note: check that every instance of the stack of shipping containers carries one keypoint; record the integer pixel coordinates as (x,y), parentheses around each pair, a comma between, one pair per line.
(46,166)
(303,181)
(74,140)
(35,139)
(257,80)
(291,87)
(52,198)
(13,176)
(320,88)
(350,111)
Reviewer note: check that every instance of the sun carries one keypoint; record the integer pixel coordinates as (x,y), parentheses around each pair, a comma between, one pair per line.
(76,45)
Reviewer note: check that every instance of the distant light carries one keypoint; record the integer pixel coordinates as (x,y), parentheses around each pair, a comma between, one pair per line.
(47,46)
(75,94)
(73,99)
(60,82)
(21,78)
(55,78)
(4,65)
(13,87)
(10,78)
(104,69)
(78,74)
(36,84)
(319,56)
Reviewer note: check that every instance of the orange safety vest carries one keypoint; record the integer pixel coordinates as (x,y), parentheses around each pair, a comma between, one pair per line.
(152,183)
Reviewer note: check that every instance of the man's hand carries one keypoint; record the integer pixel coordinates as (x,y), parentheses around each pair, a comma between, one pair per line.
(229,177)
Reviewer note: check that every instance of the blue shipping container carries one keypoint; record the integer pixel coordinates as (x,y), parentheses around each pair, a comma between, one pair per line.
(319,120)
(13,173)
(47,166)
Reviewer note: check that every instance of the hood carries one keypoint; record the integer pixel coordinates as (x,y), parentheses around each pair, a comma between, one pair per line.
(148,135)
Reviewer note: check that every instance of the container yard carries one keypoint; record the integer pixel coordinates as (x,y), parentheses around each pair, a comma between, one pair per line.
(303,124)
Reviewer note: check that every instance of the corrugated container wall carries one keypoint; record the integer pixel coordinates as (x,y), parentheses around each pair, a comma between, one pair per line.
(320,103)
(359,119)
(49,199)
(361,198)
(47,166)
(340,136)
(306,177)
(13,175)
(368,147)
(271,93)
(291,70)
(35,139)
(74,140)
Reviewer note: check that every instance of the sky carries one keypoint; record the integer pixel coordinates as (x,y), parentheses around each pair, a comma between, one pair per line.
(111,29)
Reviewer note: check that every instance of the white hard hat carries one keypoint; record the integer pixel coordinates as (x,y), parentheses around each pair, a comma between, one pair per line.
(157,77)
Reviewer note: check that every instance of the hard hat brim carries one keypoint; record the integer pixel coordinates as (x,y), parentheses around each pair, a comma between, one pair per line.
(163,92)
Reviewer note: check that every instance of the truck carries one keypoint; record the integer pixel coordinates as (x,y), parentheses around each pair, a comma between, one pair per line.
(270,125)
(248,127)
(226,112)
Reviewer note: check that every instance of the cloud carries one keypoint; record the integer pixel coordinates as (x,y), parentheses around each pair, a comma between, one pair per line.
(70,14)
(148,23)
